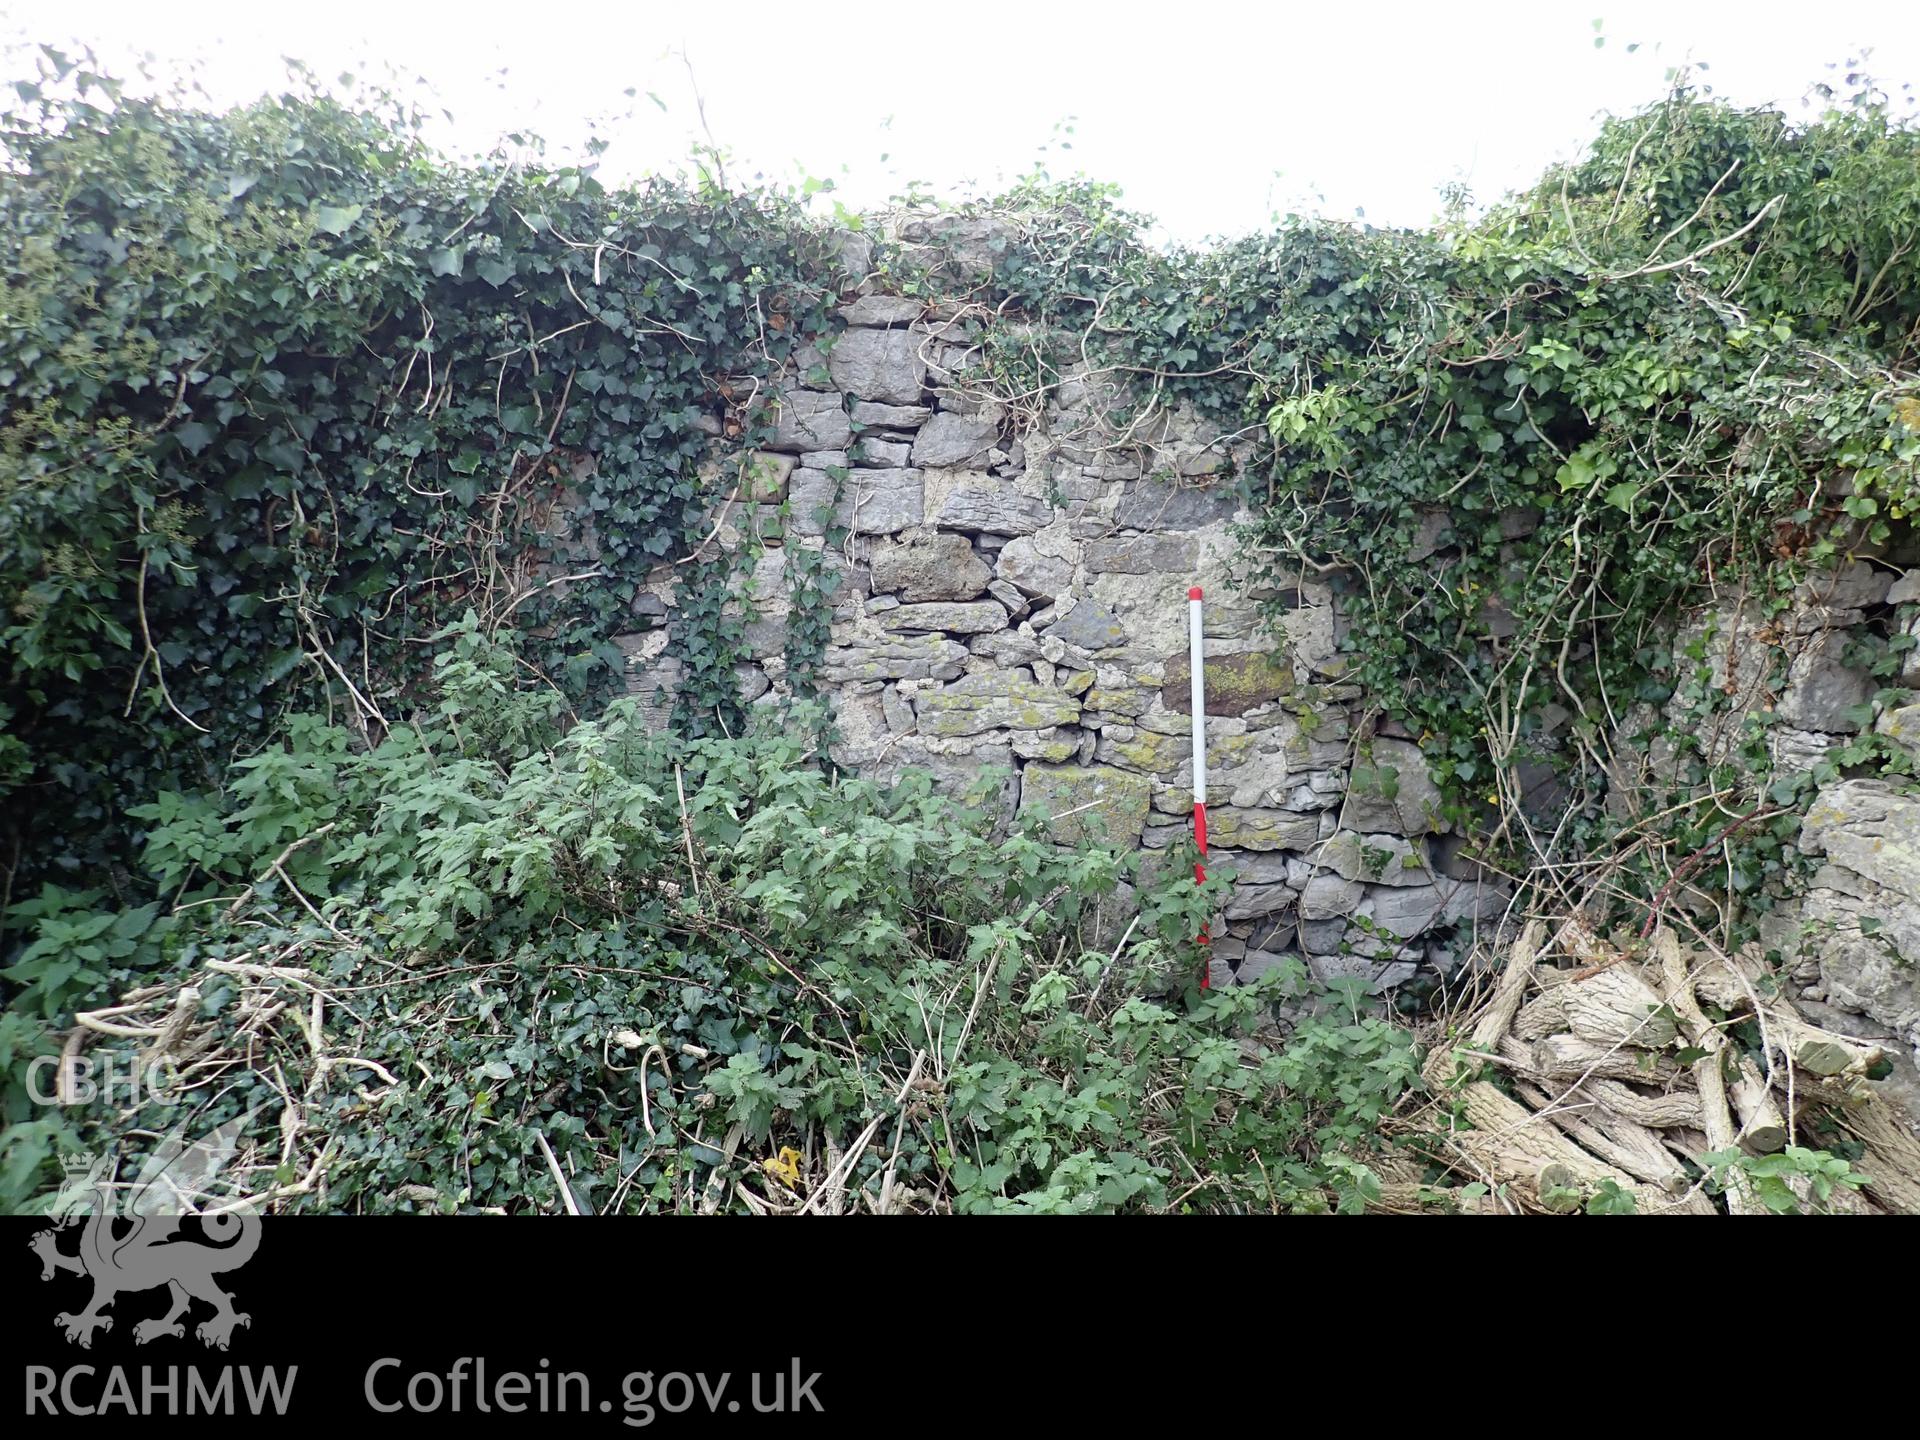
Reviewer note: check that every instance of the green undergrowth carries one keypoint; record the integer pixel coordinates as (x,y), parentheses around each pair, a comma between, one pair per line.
(502,929)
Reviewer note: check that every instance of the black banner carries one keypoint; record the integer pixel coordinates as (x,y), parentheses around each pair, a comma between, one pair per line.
(400,1325)
(610,1329)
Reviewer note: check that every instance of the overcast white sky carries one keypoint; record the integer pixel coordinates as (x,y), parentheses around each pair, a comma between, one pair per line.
(1210,115)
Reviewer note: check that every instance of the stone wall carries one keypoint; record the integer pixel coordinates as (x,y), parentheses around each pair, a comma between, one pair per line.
(1851,940)
(1014,597)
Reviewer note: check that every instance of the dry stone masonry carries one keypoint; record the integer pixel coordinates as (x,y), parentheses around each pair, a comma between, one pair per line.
(1012,600)
(1016,602)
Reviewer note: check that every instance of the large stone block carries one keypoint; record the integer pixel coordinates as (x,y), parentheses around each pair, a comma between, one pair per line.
(1262,829)
(993,700)
(1379,975)
(1087,802)
(1861,918)
(1822,690)
(982,769)
(883,310)
(809,420)
(1007,648)
(883,365)
(941,566)
(954,440)
(1091,626)
(889,417)
(1850,586)
(872,502)
(1404,911)
(1902,723)
(1143,555)
(1376,859)
(1164,505)
(1032,572)
(1252,902)
(876,452)
(1252,867)
(961,618)
(1235,683)
(898,657)
(765,477)
(1327,897)
(993,511)
(1392,791)
(1058,744)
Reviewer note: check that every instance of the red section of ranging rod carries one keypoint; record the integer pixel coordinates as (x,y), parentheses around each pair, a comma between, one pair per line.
(1200,874)
(1197,660)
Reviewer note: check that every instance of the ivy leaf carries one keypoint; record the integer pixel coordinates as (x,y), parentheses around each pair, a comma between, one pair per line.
(336,219)
(193,435)
(238,185)
(1622,495)
(447,261)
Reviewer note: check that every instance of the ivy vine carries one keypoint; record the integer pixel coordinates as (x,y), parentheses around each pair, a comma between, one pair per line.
(282,391)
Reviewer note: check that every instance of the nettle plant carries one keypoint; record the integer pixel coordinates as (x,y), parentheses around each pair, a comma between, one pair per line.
(522,923)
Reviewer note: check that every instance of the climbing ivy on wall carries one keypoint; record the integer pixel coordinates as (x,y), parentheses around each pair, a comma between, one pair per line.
(282,391)
(1517,444)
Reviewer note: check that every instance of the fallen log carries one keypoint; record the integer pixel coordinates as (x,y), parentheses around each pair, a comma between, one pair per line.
(1669,1110)
(1545,1014)
(1813,1049)
(1633,1149)
(1715,1113)
(1571,1057)
(1615,1006)
(1763,1129)
(1891,1162)
(1491,1028)
(1509,1145)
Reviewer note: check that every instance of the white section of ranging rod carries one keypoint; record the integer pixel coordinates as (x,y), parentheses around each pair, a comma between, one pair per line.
(1199,698)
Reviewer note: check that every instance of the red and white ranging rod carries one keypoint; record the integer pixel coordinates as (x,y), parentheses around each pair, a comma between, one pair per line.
(1198,666)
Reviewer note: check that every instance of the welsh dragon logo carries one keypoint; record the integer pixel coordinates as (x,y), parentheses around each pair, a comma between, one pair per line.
(136,1246)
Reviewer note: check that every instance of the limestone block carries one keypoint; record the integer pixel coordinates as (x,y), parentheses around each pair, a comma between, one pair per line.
(954,440)
(883,365)
(894,657)
(883,310)
(809,420)
(889,417)
(872,502)
(1821,689)
(1861,918)
(1162,505)
(1000,700)
(1000,511)
(939,566)
(1143,555)
(1392,790)
(1235,683)
(972,617)
(1091,626)
(1092,803)
(1376,859)
(1022,563)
